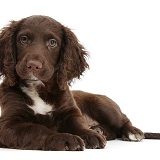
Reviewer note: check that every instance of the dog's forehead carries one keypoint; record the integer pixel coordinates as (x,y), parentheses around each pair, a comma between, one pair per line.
(42,22)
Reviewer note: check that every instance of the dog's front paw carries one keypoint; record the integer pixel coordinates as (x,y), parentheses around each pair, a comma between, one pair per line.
(132,134)
(93,140)
(64,142)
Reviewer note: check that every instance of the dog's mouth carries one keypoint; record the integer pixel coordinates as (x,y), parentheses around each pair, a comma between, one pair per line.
(44,74)
(37,76)
(32,78)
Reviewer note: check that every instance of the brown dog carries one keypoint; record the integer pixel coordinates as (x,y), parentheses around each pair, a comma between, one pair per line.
(39,58)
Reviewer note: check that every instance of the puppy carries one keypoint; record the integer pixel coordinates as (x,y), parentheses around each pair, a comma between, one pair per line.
(39,58)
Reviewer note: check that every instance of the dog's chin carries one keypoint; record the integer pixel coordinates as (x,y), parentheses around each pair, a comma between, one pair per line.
(36,78)
(43,76)
(32,78)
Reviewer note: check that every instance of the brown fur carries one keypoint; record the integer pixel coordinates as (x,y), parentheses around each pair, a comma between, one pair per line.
(27,57)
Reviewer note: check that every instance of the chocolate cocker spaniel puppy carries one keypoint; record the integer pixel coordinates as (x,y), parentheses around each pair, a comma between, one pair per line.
(39,58)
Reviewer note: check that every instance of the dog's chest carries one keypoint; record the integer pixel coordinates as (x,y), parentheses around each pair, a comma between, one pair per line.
(39,105)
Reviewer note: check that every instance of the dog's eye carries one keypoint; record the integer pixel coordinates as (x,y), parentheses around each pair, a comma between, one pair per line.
(52,43)
(24,39)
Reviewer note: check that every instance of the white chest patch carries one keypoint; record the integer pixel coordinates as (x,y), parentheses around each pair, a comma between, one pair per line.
(39,107)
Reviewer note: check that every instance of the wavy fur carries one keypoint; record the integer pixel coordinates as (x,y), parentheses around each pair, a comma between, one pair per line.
(38,110)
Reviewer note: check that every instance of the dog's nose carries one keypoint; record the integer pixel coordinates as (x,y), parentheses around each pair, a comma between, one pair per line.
(34,65)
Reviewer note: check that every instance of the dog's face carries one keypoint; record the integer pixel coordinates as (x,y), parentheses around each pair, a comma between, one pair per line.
(38,44)
(40,48)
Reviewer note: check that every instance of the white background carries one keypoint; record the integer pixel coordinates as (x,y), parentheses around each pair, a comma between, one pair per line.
(123,39)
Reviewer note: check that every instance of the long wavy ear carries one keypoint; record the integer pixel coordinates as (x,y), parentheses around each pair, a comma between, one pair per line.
(7,53)
(72,60)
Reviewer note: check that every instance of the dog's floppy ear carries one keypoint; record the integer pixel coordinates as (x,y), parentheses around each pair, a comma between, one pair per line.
(72,60)
(7,53)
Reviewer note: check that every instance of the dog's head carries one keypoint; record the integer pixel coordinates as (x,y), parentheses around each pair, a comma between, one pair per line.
(40,48)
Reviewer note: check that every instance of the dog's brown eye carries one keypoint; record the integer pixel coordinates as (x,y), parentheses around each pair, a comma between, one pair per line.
(52,43)
(24,39)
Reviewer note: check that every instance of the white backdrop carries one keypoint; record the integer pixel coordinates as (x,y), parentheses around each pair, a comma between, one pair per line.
(123,38)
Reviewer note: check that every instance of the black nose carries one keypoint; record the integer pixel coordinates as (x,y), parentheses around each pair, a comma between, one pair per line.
(34,65)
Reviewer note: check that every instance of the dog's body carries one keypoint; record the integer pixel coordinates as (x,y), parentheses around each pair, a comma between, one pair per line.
(39,58)
(32,109)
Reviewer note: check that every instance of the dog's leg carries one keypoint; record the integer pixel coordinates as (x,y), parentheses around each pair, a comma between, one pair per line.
(113,116)
(37,137)
(109,133)
(107,113)
(76,125)
(131,133)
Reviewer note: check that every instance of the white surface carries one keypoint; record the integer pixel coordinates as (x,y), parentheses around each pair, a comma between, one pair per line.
(147,149)
(123,38)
